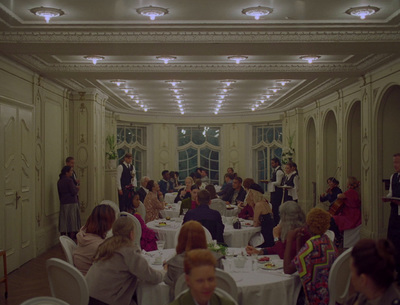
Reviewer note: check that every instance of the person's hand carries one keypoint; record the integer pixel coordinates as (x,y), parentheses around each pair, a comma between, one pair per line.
(227,202)
(277,231)
(183,192)
(251,250)
(165,265)
(159,194)
(120,192)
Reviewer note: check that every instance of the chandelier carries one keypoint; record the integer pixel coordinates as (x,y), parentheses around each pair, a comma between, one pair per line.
(152,11)
(362,11)
(47,12)
(257,11)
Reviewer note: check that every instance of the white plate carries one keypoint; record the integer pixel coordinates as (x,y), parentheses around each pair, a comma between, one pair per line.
(161,226)
(278,265)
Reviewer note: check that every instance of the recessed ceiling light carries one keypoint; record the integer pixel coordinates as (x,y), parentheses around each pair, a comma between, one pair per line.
(47,12)
(173,82)
(283,82)
(94,58)
(274,89)
(145,109)
(152,11)
(131,96)
(257,11)
(268,96)
(178,96)
(252,108)
(262,101)
(179,101)
(310,58)
(118,82)
(237,58)
(222,96)
(126,90)
(176,90)
(137,101)
(227,82)
(362,11)
(224,89)
(166,59)
(220,101)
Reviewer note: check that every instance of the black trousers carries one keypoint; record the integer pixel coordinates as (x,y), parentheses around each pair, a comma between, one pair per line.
(276,200)
(394,235)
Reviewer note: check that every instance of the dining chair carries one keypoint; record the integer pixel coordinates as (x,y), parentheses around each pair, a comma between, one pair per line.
(218,205)
(138,228)
(219,292)
(351,237)
(44,301)
(113,205)
(68,246)
(224,281)
(330,234)
(339,278)
(66,282)
(208,235)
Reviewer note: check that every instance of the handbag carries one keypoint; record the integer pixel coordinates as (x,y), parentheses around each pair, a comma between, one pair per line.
(236,224)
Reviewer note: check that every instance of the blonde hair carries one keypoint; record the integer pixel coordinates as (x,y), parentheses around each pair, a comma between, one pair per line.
(121,230)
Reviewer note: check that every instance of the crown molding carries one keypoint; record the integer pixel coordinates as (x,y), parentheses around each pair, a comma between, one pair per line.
(197,36)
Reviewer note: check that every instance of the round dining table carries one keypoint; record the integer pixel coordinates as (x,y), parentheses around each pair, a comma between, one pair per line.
(166,230)
(256,285)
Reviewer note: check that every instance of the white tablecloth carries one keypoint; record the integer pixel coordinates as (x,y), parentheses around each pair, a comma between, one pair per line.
(232,212)
(257,287)
(170,197)
(171,210)
(232,237)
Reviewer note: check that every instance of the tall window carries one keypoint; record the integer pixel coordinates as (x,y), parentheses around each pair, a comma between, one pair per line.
(267,144)
(199,147)
(132,139)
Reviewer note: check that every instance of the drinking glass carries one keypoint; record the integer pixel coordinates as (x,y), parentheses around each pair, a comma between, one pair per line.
(160,245)
(184,211)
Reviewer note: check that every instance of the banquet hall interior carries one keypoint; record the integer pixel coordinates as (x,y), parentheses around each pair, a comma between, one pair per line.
(185,83)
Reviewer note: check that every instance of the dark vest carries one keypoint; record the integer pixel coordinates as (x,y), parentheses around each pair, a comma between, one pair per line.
(290,181)
(395,192)
(273,178)
(126,176)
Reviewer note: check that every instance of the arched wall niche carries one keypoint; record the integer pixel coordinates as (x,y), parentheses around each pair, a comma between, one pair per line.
(353,130)
(388,115)
(311,164)
(330,153)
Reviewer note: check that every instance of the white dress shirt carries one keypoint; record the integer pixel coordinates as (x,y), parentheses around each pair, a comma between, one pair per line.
(119,174)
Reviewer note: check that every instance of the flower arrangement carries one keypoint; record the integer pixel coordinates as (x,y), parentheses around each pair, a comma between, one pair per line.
(215,247)
(288,152)
(111,154)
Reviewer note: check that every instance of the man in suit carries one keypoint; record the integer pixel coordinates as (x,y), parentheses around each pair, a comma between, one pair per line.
(209,218)
(143,190)
(237,193)
(125,177)
(227,188)
(165,184)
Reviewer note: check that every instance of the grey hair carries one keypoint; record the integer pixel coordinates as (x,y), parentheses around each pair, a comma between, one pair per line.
(292,217)
(143,179)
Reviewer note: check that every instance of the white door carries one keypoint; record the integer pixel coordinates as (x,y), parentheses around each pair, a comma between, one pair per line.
(17,205)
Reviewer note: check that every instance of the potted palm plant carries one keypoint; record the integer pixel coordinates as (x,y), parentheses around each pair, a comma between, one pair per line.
(111,153)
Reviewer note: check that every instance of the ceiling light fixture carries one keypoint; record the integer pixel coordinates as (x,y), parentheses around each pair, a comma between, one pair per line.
(268,96)
(238,59)
(47,12)
(131,96)
(225,90)
(118,82)
(126,90)
(220,101)
(173,82)
(145,109)
(94,58)
(179,101)
(262,101)
(166,59)
(283,82)
(222,96)
(176,90)
(257,11)
(152,11)
(252,108)
(362,11)
(178,96)
(310,58)
(274,89)
(137,101)
(227,82)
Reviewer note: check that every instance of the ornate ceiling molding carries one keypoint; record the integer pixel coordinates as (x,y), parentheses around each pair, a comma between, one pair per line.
(200,37)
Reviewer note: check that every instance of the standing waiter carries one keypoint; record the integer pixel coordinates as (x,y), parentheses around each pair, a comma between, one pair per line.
(276,192)
(126,179)
(394,219)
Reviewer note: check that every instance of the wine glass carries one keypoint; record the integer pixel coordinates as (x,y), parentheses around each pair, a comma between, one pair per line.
(184,211)
(160,245)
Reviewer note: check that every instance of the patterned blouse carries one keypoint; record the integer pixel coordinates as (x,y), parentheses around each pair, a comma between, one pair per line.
(313,263)
(153,206)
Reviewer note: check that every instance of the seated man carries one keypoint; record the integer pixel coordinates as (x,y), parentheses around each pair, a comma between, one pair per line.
(165,184)
(209,218)
(200,277)
(237,194)
(227,188)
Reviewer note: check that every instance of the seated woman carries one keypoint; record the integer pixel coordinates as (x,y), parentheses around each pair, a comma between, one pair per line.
(154,201)
(373,273)
(91,235)
(148,239)
(314,259)
(292,217)
(190,203)
(191,236)
(262,214)
(201,280)
(184,192)
(332,192)
(118,265)
(247,211)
